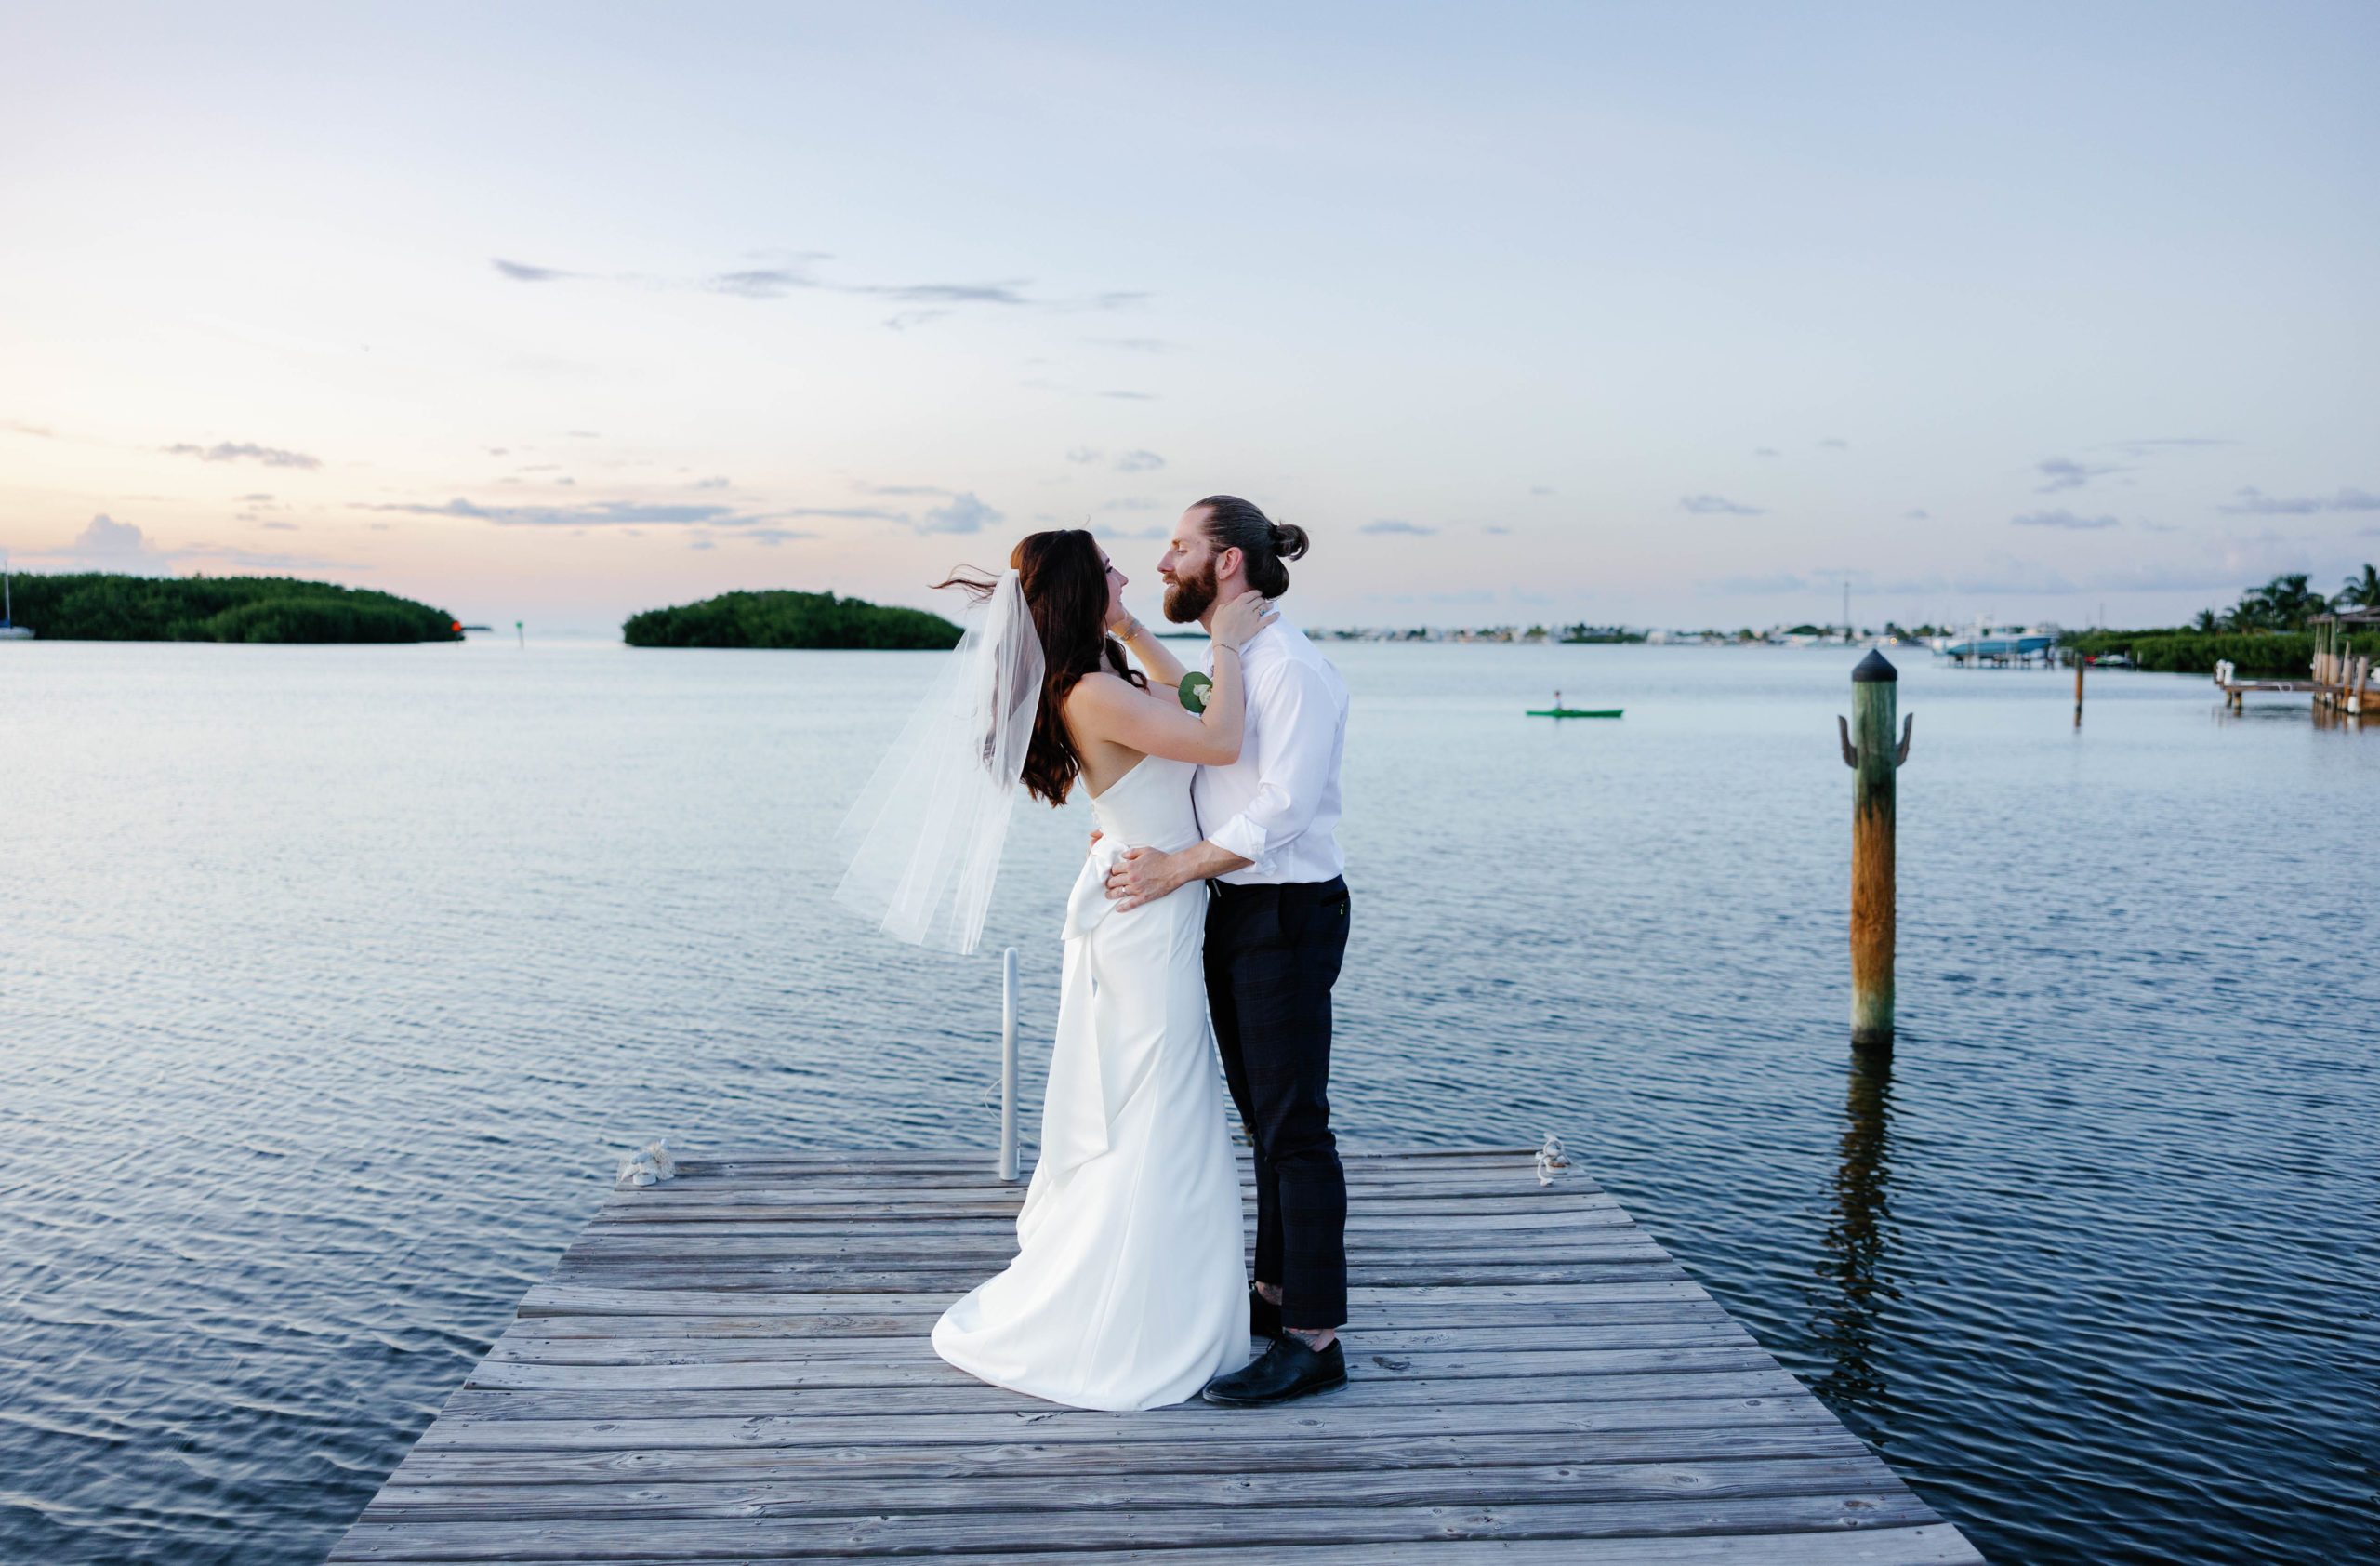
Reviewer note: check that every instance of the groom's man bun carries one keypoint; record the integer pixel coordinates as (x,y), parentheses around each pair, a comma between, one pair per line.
(1233,523)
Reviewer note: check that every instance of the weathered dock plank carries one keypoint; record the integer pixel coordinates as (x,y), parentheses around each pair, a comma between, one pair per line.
(733,1367)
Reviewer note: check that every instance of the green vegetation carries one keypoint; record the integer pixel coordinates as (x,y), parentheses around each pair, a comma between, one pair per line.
(103,606)
(1600,634)
(2266,635)
(2284,603)
(788,619)
(2287,604)
(2270,655)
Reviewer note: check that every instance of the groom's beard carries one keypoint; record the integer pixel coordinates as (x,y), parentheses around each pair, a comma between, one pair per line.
(1190,596)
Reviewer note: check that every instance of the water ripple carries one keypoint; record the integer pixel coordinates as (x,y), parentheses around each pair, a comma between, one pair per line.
(338,978)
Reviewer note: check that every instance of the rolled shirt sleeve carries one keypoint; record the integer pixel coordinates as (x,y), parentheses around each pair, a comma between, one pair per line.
(1293,752)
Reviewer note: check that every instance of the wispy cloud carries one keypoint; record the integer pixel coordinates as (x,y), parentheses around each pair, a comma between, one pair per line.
(964,514)
(1009,293)
(593,513)
(1390,525)
(1834,443)
(2065,519)
(2064,472)
(1133,504)
(1127,462)
(1715,505)
(781,272)
(37,430)
(1131,396)
(522,271)
(2006,573)
(106,544)
(2253,502)
(790,271)
(761,283)
(235,451)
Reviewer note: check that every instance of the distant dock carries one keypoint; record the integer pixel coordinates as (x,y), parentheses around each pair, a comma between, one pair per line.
(2338,683)
(733,1366)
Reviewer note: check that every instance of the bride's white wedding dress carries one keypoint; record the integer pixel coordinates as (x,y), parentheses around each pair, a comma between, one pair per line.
(1129,1290)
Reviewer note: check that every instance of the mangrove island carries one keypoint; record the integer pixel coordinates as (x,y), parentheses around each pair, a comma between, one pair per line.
(789,619)
(108,607)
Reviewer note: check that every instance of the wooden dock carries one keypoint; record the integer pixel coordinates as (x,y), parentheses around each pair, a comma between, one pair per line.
(733,1367)
(2338,683)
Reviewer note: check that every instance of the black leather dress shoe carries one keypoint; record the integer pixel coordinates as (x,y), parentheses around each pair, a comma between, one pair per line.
(1263,1316)
(1288,1369)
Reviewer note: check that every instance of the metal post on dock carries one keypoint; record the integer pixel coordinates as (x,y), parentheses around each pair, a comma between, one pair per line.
(1007,1065)
(1874,758)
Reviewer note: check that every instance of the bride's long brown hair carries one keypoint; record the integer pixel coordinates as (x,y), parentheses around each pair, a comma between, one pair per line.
(1065,589)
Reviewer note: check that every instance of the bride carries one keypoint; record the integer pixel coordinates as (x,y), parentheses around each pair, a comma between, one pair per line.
(1127,1290)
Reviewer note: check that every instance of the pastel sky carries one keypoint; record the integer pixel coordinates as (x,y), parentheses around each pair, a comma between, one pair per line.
(1657,314)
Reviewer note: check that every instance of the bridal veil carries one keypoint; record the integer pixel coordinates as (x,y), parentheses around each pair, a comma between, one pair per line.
(931,824)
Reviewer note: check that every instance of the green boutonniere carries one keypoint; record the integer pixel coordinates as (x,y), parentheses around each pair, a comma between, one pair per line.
(1195,687)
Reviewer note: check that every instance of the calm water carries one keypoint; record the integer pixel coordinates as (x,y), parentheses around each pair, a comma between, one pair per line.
(337,979)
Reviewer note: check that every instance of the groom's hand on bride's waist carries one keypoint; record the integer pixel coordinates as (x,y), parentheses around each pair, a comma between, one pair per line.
(1142,875)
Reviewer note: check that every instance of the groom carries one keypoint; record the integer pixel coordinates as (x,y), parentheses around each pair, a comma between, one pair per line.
(1277,929)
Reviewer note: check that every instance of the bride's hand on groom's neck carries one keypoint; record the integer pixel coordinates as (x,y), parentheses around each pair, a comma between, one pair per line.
(1234,622)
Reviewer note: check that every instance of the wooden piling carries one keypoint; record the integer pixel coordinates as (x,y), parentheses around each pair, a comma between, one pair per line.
(1875,686)
(2078,690)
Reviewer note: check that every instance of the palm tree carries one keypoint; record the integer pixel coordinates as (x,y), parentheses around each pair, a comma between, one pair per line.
(2361,592)
(2284,603)
(2209,621)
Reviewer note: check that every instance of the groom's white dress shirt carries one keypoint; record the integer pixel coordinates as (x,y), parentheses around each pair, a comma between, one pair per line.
(1278,806)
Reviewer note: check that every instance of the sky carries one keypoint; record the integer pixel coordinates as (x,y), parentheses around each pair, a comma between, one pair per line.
(1673,315)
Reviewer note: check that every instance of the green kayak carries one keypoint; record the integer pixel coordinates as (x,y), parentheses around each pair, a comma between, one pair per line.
(1574,712)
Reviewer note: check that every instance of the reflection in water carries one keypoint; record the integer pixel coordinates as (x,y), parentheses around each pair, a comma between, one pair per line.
(2339,718)
(1856,1271)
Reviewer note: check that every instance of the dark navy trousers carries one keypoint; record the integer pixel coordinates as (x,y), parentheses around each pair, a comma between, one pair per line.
(1273,953)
